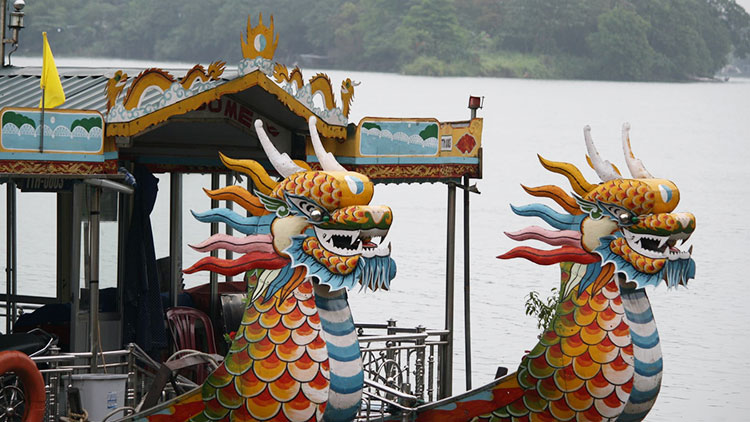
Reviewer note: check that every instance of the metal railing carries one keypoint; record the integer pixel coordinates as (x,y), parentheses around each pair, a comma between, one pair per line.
(400,366)
(58,371)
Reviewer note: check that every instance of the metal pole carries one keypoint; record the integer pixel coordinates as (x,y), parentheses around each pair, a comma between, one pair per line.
(14,260)
(74,247)
(446,373)
(41,123)
(467,283)
(175,236)
(2,31)
(230,205)
(10,249)
(94,271)
(467,276)
(214,277)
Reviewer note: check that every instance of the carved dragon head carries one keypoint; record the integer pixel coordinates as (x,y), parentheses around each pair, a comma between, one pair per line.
(627,225)
(114,87)
(347,95)
(319,220)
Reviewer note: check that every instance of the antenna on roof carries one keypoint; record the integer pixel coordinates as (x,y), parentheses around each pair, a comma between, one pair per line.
(15,23)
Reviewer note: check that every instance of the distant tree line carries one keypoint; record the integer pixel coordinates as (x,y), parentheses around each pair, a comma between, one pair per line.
(600,39)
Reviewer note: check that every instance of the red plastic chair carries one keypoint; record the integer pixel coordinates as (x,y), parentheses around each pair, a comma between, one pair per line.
(182,324)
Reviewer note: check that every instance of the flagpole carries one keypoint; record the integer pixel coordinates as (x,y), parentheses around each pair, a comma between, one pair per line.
(41,137)
(50,78)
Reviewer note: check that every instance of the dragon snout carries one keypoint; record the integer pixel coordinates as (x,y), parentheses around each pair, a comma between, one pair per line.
(357,230)
(658,236)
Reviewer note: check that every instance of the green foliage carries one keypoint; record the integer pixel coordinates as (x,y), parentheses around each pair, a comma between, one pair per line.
(431,131)
(87,124)
(542,309)
(737,23)
(603,39)
(681,32)
(371,125)
(621,46)
(17,119)
(517,65)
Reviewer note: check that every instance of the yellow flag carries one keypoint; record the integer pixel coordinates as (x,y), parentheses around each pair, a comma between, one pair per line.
(50,83)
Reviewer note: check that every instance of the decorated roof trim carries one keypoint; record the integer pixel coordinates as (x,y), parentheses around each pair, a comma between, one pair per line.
(255,78)
(135,111)
(106,168)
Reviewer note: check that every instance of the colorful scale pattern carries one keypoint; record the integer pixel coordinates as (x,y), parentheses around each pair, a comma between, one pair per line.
(582,369)
(632,194)
(335,263)
(362,216)
(277,367)
(320,186)
(641,263)
(664,223)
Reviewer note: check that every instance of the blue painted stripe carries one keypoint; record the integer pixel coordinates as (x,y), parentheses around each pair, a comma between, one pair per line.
(552,217)
(648,369)
(331,305)
(640,318)
(638,397)
(645,342)
(343,354)
(338,329)
(245,225)
(404,160)
(347,385)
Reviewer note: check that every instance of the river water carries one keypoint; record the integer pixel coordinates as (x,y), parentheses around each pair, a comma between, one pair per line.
(697,135)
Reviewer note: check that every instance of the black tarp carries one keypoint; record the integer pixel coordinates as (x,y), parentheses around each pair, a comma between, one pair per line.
(143,312)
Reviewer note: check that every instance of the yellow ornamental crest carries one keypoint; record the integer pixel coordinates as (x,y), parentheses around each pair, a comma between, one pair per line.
(259,41)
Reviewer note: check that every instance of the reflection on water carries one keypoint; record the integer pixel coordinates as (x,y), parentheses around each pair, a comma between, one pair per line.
(693,134)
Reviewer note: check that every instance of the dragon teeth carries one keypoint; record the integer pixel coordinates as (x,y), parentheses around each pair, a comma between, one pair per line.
(663,242)
(354,239)
(634,241)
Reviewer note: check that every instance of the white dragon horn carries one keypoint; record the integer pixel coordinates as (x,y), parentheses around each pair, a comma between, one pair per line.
(636,167)
(604,169)
(326,159)
(281,162)
(355,83)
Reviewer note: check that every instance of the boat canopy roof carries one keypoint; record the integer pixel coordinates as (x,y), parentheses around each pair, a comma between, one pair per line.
(177,120)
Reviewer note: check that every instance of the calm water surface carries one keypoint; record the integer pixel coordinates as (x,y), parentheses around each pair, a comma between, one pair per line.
(697,135)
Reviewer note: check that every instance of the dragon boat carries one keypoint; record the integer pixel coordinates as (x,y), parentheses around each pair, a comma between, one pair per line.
(300,236)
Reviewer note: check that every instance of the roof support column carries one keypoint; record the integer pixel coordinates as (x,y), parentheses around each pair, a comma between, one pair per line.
(94,271)
(11,254)
(446,361)
(175,236)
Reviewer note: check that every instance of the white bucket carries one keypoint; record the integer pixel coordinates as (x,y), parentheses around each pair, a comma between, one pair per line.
(100,393)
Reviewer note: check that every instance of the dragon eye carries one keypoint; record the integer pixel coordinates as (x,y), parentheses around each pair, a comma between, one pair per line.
(627,218)
(316,216)
(621,215)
